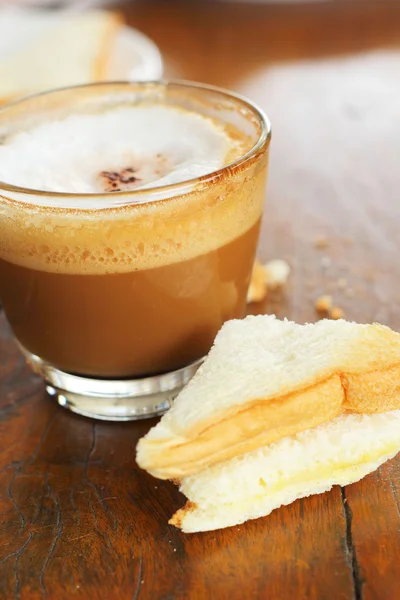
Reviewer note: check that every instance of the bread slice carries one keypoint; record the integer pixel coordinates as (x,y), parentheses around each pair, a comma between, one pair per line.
(54,49)
(311,462)
(265,379)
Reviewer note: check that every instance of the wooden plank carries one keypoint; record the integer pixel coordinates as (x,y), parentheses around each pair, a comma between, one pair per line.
(81,520)
(374,532)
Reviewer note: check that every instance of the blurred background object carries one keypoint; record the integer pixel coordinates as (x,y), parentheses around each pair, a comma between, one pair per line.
(43,49)
(73,4)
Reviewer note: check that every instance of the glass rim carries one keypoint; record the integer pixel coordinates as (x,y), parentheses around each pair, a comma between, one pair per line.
(173,189)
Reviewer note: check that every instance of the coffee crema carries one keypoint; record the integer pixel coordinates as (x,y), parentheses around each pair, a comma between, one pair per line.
(137,288)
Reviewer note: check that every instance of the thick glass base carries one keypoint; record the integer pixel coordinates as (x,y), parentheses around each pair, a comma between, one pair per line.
(109,399)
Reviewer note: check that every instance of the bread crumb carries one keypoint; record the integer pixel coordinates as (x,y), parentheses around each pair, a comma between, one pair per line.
(278,272)
(323,304)
(336,313)
(321,242)
(273,275)
(342,283)
(258,283)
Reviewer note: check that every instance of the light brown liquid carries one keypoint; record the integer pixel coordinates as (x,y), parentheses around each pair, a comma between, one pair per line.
(129,324)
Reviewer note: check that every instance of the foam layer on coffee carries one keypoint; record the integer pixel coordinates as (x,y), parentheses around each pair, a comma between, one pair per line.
(132,237)
(121,149)
(89,239)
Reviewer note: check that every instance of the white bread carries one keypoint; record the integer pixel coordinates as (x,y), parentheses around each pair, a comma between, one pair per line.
(251,486)
(265,379)
(46,50)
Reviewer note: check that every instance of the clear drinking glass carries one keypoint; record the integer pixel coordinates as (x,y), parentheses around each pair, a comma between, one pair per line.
(115,298)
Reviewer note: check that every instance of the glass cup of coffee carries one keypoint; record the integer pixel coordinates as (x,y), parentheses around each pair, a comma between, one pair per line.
(129,220)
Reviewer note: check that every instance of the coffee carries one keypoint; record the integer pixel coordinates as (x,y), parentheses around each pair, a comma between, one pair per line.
(139,285)
(129,324)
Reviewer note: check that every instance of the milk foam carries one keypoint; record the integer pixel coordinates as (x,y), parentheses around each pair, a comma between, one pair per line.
(122,149)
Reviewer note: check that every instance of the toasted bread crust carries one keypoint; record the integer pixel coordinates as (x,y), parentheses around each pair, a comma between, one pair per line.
(373,392)
(368,392)
(178,517)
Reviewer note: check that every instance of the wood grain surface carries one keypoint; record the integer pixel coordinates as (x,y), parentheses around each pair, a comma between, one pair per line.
(77,517)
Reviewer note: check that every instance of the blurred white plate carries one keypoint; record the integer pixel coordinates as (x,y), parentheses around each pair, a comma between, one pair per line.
(134,57)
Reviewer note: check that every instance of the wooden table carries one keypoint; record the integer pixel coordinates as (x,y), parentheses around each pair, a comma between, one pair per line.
(77,518)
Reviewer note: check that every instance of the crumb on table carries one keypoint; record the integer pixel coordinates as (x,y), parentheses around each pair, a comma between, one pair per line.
(336,313)
(325,308)
(258,283)
(323,304)
(273,275)
(277,272)
(321,241)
